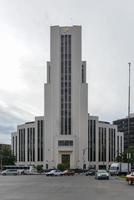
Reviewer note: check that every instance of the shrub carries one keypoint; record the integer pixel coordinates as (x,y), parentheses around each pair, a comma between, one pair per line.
(61,167)
(39,168)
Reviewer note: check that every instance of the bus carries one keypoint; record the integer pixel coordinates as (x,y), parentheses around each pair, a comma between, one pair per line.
(21,169)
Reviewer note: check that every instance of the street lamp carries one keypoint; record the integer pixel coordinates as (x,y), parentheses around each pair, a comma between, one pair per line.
(129,112)
(83,156)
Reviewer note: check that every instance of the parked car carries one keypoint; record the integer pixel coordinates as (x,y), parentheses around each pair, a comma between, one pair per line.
(9,172)
(54,172)
(102,174)
(91,172)
(130,178)
(68,172)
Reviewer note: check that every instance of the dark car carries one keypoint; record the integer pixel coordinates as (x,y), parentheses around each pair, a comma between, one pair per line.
(91,172)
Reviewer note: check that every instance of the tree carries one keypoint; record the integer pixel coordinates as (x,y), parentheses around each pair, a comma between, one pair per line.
(123,157)
(39,168)
(61,167)
(130,154)
(7,157)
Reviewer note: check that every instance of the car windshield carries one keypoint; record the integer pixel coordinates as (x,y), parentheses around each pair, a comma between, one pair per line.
(102,171)
(113,168)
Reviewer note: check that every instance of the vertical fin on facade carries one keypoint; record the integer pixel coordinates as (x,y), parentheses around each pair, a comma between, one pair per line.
(48,72)
(83,72)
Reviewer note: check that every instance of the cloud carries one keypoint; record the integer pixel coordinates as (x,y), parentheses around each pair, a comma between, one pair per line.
(10,117)
(108,46)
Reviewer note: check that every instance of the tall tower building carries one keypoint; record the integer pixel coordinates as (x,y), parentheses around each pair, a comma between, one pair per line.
(66,101)
(65,134)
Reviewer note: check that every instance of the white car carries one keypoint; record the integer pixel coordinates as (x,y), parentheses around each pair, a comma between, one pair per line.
(9,172)
(54,172)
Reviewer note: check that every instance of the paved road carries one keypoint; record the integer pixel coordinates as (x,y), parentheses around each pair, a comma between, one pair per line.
(63,188)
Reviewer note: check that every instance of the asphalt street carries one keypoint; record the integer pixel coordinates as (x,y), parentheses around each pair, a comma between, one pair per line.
(63,188)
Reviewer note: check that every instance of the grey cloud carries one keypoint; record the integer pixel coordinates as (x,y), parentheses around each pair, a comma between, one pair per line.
(108,46)
(10,117)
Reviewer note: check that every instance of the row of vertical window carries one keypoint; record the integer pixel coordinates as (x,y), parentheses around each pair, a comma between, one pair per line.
(66,105)
(102,144)
(83,74)
(30,143)
(22,145)
(111,144)
(65,84)
(66,90)
(65,77)
(66,98)
(40,141)
(92,140)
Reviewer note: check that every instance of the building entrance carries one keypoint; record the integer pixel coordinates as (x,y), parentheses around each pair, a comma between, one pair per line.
(65,158)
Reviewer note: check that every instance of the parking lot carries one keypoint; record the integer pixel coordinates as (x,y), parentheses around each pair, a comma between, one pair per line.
(40,187)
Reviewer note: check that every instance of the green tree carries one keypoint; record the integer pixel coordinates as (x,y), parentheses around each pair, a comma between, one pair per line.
(130,152)
(61,167)
(7,157)
(39,168)
(123,157)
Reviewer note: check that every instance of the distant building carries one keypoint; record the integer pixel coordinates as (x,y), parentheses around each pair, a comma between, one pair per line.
(123,127)
(104,143)
(28,142)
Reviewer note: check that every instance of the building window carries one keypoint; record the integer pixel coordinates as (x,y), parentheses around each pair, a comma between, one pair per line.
(65,143)
(40,140)
(65,84)
(22,145)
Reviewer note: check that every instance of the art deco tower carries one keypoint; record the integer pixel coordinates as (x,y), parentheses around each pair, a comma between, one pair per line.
(66,100)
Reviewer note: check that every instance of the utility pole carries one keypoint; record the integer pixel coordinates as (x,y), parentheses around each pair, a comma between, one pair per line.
(129,111)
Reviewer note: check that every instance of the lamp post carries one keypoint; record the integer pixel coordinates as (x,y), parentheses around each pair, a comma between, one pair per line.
(46,164)
(83,156)
(129,112)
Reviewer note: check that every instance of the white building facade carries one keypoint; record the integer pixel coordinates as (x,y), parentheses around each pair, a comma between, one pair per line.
(28,142)
(65,134)
(66,99)
(104,143)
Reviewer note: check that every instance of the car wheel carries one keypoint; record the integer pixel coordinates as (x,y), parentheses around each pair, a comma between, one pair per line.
(130,182)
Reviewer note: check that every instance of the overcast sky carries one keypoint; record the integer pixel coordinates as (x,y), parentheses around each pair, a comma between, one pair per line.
(107,46)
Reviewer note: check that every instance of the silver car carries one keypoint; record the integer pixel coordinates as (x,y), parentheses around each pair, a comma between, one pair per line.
(9,172)
(102,174)
(54,172)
